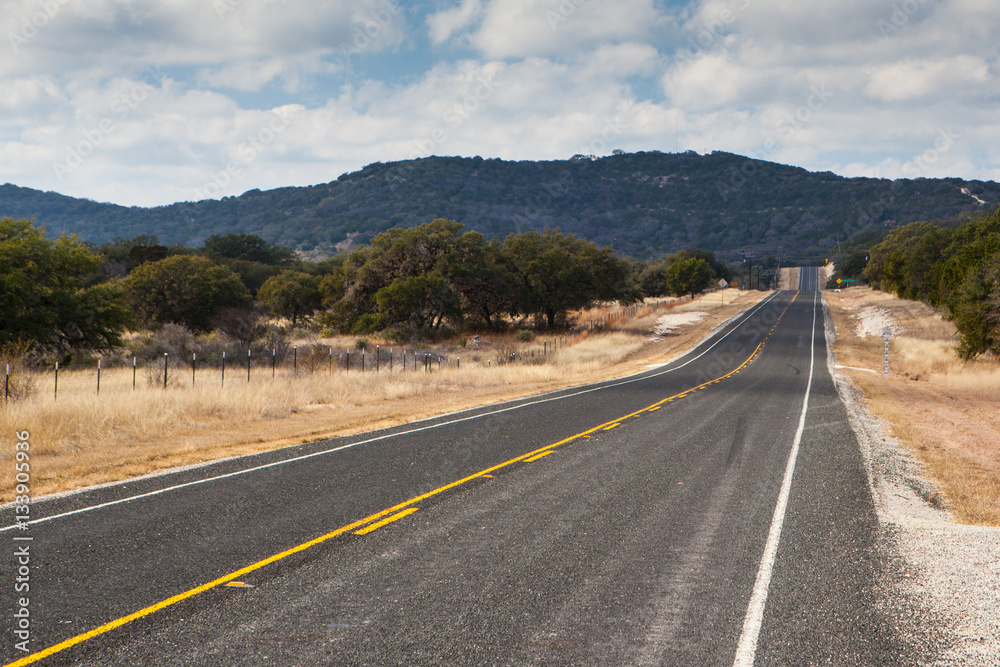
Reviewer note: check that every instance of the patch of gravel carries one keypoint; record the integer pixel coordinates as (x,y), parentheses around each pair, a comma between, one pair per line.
(946,582)
(872,320)
(668,323)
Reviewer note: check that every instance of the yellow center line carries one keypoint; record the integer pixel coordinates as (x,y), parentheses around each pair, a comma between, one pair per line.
(379,524)
(388,512)
(608,428)
(542,455)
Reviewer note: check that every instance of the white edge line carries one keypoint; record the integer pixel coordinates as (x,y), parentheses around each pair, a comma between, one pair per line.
(746,649)
(645,376)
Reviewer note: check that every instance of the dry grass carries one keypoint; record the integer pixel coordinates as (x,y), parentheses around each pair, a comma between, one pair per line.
(946,410)
(788,278)
(83,439)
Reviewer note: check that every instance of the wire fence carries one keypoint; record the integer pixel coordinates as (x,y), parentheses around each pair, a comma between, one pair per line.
(229,368)
(222,368)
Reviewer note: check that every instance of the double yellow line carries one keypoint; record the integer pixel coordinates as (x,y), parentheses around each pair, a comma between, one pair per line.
(379,519)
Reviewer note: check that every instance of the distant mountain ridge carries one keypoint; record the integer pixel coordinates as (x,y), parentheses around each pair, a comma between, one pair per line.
(644,204)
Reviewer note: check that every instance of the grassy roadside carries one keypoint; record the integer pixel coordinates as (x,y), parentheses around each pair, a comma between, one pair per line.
(83,439)
(947,411)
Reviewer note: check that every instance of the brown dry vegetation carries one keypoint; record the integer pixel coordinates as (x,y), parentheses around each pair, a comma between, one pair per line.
(946,410)
(788,278)
(82,439)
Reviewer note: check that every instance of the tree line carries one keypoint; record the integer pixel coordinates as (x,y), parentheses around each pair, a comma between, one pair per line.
(954,269)
(63,297)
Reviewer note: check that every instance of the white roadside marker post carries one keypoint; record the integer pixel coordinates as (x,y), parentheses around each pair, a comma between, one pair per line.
(886,332)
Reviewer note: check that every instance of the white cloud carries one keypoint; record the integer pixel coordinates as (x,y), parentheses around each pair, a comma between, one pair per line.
(629,59)
(446,23)
(711,81)
(124,34)
(915,80)
(188,89)
(524,28)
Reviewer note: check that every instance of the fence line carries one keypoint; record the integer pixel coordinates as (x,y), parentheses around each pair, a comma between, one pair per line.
(159,371)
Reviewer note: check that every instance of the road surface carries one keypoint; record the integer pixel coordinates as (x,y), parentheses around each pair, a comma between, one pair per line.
(714,511)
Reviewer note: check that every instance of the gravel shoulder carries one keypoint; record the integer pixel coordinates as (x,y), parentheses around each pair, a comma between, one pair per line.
(948,573)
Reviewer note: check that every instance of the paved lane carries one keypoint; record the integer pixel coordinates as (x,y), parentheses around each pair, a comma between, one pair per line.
(622,523)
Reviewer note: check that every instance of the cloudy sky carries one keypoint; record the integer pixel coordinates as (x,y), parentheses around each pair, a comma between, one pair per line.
(147,102)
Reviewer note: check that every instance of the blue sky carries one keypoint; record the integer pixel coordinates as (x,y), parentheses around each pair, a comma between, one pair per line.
(145,102)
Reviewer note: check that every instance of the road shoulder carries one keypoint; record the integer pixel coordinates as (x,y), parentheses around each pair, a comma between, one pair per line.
(949,573)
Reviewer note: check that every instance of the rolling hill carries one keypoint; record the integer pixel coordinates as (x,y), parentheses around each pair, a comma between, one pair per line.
(644,204)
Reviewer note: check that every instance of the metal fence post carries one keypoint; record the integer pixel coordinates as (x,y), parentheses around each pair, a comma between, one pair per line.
(55,391)
(98,377)
(166,366)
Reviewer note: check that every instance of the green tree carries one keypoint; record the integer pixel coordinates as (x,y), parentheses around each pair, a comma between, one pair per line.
(719,270)
(651,276)
(485,283)
(851,267)
(184,289)
(420,302)
(253,274)
(53,295)
(969,247)
(688,276)
(902,261)
(393,262)
(558,272)
(977,310)
(290,294)
(246,247)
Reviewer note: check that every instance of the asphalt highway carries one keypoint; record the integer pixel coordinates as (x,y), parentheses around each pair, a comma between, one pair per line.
(702,513)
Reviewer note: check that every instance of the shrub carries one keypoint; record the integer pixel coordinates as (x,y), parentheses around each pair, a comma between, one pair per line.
(20,384)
